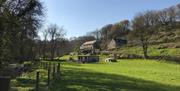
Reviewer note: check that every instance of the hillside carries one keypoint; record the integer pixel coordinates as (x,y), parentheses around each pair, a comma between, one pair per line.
(152,51)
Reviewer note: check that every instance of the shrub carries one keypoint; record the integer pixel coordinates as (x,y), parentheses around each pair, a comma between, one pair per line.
(71,59)
(27,66)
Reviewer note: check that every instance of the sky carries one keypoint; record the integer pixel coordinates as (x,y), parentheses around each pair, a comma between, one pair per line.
(78,17)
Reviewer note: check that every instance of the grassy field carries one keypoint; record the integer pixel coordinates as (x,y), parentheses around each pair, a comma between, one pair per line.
(125,75)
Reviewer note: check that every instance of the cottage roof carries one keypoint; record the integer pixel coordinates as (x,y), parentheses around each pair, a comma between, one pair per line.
(120,41)
(89,42)
(88,45)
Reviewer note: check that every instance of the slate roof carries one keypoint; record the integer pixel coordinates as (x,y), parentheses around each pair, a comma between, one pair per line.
(120,41)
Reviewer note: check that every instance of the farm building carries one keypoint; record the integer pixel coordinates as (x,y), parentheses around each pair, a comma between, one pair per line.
(88,58)
(89,47)
(115,43)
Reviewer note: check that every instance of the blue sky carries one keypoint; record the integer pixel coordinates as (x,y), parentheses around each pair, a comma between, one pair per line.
(81,16)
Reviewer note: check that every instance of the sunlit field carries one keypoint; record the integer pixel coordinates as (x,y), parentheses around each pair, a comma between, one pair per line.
(125,75)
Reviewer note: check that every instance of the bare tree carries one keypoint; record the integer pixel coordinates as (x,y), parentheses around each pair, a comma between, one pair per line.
(45,35)
(96,33)
(143,29)
(59,40)
(55,33)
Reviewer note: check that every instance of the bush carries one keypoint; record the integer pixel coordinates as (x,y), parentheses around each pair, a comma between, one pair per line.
(71,59)
(128,56)
(114,60)
(105,52)
(27,66)
(167,58)
(26,80)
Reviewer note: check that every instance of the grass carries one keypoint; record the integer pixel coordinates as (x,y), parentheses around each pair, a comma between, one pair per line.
(152,51)
(66,57)
(125,75)
(26,82)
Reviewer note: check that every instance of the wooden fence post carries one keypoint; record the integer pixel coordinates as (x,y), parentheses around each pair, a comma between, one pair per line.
(54,70)
(49,74)
(41,65)
(37,81)
(46,66)
(4,83)
(58,71)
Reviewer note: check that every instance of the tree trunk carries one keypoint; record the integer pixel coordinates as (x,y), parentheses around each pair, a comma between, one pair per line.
(145,49)
(52,49)
(145,46)
(44,49)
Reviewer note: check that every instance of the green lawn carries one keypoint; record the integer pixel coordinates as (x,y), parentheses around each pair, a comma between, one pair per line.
(125,75)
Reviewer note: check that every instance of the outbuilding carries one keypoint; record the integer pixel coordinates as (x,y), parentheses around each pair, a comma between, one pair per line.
(88,58)
(115,43)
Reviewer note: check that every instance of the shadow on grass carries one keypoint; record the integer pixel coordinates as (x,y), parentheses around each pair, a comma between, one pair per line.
(71,63)
(28,84)
(25,82)
(85,80)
